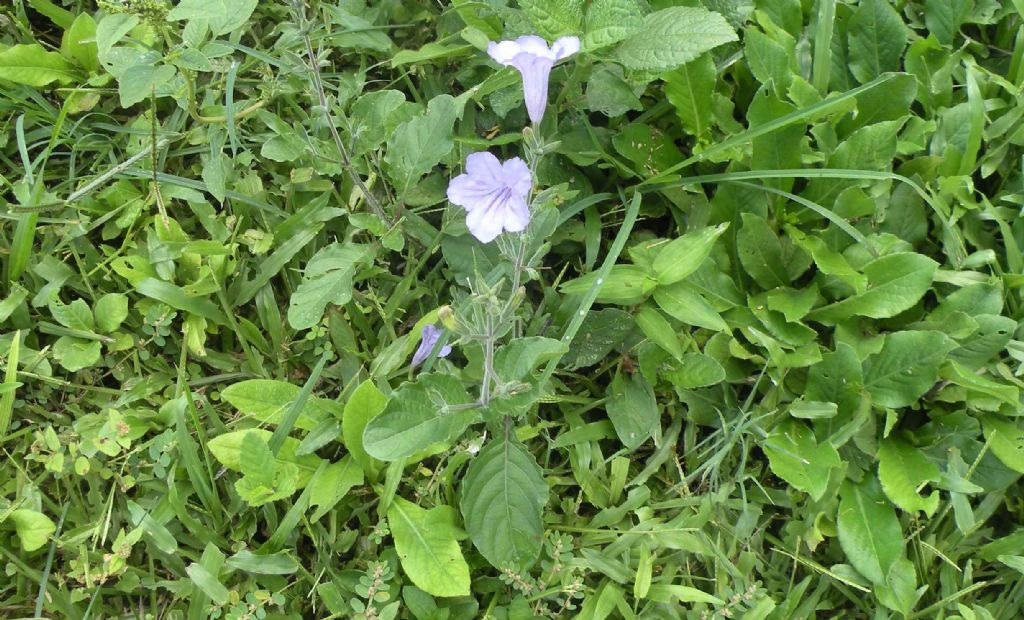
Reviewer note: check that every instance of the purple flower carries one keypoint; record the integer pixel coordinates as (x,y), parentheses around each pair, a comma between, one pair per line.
(534,59)
(493,194)
(431,335)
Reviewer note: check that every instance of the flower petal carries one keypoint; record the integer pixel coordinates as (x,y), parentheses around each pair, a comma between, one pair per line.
(532,44)
(535,71)
(516,175)
(468,192)
(428,339)
(485,224)
(563,47)
(503,52)
(484,166)
(515,215)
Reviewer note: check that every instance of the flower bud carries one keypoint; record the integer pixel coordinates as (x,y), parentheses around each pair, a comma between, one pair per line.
(446,315)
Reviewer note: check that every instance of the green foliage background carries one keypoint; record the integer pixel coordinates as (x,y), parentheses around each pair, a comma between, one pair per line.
(798,394)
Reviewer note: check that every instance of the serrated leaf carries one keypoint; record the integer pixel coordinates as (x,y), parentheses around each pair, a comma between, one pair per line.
(419,144)
(869,532)
(690,88)
(428,547)
(876,39)
(611,21)
(906,367)
(503,496)
(903,469)
(327,279)
(895,283)
(32,65)
(796,457)
(673,36)
(554,18)
(419,413)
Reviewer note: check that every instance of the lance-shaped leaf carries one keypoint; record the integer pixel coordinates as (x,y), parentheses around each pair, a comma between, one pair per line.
(503,495)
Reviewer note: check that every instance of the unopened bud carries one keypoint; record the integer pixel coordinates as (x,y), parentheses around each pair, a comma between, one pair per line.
(446,315)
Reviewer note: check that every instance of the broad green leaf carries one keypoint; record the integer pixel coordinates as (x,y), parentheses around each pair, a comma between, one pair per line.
(688,306)
(869,532)
(601,332)
(780,149)
(327,279)
(673,36)
(989,340)
(626,285)
(227,449)
(365,403)
(608,92)
(138,82)
(659,330)
(33,528)
(611,21)
(1006,438)
(74,354)
(695,370)
(432,409)
(903,470)
(111,310)
(876,39)
(208,583)
(331,486)
(280,563)
(427,542)
(895,283)
(762,254)
(32,65)
(256,461)
(837,378)
(75,315)
(79,43)
(944,18)
(267,400)
(633,409)
(681,257)
(772,59)
(906,367)
(223,16)
(797,458)
(517,359)
(503,498)
(689,88)
(554,18)
(418,145)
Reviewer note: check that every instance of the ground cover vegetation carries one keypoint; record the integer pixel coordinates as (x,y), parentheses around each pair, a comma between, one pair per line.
(511,309)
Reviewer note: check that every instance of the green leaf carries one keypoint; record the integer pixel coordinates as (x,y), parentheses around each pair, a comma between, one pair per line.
(75,315)
(626,285)
(79,43)
(903,470)
(430,410)
(516,360)
(688,306)
(761,252)
(877,37)
(503,497)
(611,21)
(267,400)
(869,531)
(331,486)
(681,257)
(428,547)
(632,409)
(659,330)
(609,94)
(673,36)
(138,82)
(34,66)
(74,354)
(797,458)
(695,370)
(554,18)
(365,403)
(207,583)
(33,528)
(1006,438)
(227,449)
(255,460)
(419,144)
(895,283)
(263,564)
(111,310)
(906,367)
(690,88)
(327,279)
(223,16)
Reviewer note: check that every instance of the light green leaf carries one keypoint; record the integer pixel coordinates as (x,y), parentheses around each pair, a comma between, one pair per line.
(331,486)
(876,38)
(515,361)
(227,449)
(632,409)
(138,82)
(267,400)
(111,310)
(695,370)
(673,36)
(74,354)
(795,456)
(327,279)
(609,94)
(671,593)
(554,18)
(365,403)
(75,315)
(79,43)
(1006,438)
(688,306)
(33,528)
(906,367)
(626,285)
(869,531)
(208,583)
(428,547)
(895,283)
(659,330)
(611,21)
(223,16)
(503,496)
(903,470)
(429,410)
(419,144)
(256,461)
(34,66)
(690,88)
(681,257)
